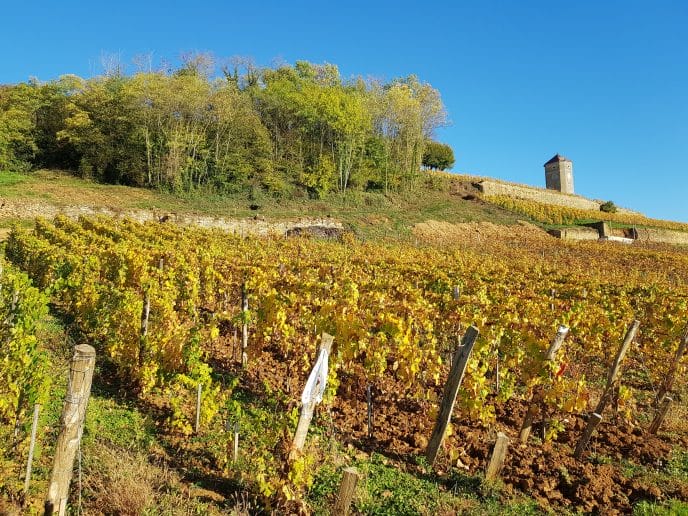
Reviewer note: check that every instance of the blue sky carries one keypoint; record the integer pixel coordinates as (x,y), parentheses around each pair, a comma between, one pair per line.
(602,82)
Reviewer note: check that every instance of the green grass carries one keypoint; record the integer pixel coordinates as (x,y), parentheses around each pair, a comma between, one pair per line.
(11,179)
(671,508)
(371,215)
(384,489)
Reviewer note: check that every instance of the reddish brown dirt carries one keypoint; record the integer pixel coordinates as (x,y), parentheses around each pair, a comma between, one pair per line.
(547,472)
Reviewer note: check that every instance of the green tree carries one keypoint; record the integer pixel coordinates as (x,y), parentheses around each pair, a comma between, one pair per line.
(18,106)
(300,126)
(406,113)
(438,156)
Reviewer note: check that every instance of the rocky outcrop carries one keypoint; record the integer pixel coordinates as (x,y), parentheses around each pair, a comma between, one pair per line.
(251,226)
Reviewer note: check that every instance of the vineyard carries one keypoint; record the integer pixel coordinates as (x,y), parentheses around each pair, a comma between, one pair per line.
(561,215)
(173,312)
(23,367)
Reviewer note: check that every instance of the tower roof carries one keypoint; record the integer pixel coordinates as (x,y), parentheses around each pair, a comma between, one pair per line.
(556,158)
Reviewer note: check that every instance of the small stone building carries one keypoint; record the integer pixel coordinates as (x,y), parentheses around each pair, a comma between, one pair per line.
(559,174)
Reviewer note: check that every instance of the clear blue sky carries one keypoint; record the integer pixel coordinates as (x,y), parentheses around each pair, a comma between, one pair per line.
(602,82)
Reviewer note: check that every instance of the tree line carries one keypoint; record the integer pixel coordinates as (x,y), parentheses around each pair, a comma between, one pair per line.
(283,128)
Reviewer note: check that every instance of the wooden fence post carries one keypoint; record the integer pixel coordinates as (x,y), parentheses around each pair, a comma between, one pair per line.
(594,420)
(608,393)
(498,455)
(616,366)
(199,392)
(451,389)
(32,444)
(369,399)
(234,345)
(538,396)
(661,414)
(236,441)
(347,489)
(307,409)
(143,338)
(558,341)
(72,421)
(497,375)
(244,326)
(668,382)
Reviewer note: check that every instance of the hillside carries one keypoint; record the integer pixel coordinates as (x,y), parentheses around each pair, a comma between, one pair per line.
(397,295)
(440,197)
(370,215)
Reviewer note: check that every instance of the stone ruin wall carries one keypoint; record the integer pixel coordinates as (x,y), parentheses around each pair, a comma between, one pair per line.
(665,236)
(538,195)
(544,196)
(559,176)
(250,226)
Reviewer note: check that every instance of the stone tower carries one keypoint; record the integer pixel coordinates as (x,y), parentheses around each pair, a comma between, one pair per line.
(559,174)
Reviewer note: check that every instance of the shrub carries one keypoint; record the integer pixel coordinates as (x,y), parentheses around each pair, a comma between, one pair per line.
(608,207)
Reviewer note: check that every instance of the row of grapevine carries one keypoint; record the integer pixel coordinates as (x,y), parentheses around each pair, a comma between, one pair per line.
(24,378)
(392,309)
(562,215)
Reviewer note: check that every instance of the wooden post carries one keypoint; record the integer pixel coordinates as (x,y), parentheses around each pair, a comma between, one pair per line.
(236,441)
(498,455)
(302,428)
(668,382)
(538,396)
(199,391)
(32,444)
(497,375)
(369,398)
(594,420)
(347,489)
(451,389)
(616,365)
(558,341)
(145,315)
(72,420)
(457,293)
(234,345)
(661,414)
(532,411)
(307,409)
(244,326)
(609,389)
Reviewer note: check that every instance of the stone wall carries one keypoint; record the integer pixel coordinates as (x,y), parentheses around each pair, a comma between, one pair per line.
(251,226)
(559,176)
(665,236)
(552,177)
(540,195)
(580,233)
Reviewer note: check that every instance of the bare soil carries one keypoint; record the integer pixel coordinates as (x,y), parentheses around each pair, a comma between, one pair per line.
(437,232)
(547,471)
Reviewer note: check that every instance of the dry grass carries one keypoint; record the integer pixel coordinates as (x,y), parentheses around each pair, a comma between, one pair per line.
(8,510)
(432,231)
(124,483)
(119,483)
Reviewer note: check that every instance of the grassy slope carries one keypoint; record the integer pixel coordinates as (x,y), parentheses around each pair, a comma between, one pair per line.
(372,215)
